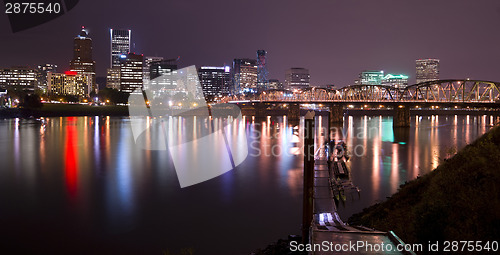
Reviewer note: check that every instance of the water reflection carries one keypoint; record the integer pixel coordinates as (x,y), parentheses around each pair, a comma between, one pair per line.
(92,164)
(71,165)
(401,154)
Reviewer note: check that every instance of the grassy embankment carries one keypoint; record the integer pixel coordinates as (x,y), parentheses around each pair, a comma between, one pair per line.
(459,200)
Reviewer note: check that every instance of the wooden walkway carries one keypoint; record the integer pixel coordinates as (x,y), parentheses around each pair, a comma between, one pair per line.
(327,224)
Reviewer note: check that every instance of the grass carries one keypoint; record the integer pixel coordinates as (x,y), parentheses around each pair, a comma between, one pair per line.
(459,200)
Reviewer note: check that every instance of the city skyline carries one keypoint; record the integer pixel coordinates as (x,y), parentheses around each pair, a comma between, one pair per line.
(333,53)
(155,127)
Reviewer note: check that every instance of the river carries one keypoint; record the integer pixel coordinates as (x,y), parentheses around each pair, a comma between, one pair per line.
(80,185)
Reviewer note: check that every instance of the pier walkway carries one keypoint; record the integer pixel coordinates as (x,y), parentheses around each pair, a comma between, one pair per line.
(328,227)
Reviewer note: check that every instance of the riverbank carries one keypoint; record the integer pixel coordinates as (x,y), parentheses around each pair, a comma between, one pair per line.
(459,200)
(65,110)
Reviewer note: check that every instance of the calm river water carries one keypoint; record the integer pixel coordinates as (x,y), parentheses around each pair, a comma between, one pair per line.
(79,185)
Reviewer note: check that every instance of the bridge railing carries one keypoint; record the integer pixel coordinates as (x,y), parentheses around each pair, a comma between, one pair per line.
(441,91)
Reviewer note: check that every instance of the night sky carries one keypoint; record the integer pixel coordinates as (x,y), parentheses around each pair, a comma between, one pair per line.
(334,39)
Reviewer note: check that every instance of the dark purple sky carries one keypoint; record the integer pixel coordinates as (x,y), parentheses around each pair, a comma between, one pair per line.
(334,39)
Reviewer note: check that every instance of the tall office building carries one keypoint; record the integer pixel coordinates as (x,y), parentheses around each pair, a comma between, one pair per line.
(120,45)
(41,77)
(262,73)
(23,78)
(130,72)
(297,78)
(215,81)
(146,68)
(82,62)
(113,78)
(427,70)
(371,77)
(163,77)
(275,84)
(69,83)
(245,76)
(398,81)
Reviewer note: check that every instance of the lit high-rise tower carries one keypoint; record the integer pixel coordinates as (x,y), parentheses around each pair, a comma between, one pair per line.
(120,45)
(262,80)
(427,70)
(245,75)
(130,72)
(297,78)
(82,62)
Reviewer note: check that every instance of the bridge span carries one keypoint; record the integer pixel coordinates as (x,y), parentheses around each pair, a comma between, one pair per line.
(437,94)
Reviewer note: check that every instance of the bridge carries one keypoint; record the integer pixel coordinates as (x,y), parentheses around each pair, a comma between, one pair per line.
(432,94)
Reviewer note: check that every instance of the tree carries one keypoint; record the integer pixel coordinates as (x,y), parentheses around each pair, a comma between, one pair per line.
(31,102)
(113,95)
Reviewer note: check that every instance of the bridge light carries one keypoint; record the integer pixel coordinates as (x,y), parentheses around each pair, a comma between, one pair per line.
(437,107)
(381,106)
(417,107)
(456,107)
(401,106)
(366,106)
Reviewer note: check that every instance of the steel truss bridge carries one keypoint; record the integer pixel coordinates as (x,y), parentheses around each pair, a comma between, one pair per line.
(453,92)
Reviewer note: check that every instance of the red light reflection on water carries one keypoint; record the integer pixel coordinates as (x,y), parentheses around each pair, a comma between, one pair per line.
(71,158)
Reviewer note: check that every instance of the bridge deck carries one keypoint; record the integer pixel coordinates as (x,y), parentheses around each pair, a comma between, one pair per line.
(327,224)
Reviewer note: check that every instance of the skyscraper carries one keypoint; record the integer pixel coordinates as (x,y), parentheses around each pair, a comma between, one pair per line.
(371,77)
(297,78)
(82,62)
(146,69)
(262,73)
(113,78)
(23,78)
(427,70)
(162,77)
(215,81)
(130,72)
(399,81)
(41,77)
(275,84)
(245,75)
(120,45)
(69,83)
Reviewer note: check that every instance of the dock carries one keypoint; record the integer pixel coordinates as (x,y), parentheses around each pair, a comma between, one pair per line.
(327,226)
